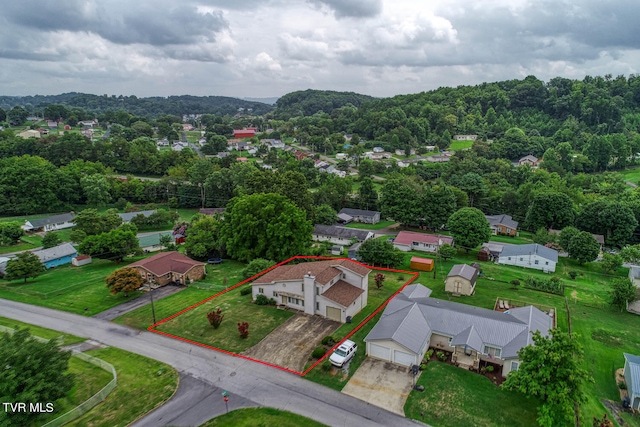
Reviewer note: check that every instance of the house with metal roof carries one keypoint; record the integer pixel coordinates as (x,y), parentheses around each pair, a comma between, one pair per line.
(411,241)
(502,225)
(461,280)
(531,255)
(57,255)
(360,215)
(335,289)
(128,216)
(151,242)
(52,223)
(632,378)
(413,322)
(339,235)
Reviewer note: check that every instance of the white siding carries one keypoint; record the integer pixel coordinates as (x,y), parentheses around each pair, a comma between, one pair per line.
(378,351)
(529,261)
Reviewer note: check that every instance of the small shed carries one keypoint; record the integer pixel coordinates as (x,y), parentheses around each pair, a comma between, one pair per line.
(423,264)
(336,250)
(353,251)
(81,260)
(484,254)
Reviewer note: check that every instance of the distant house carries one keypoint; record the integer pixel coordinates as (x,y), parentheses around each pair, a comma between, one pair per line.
(58,255)
(339,235)
(299,155)
(167,267)
(341,156)
(128,216)
(273,143)
(430,148)
(632,379)
(88,123)
(52,223)
(410,241)
(461,280)
(502,225)
(634,275)
(222,154)
(81,260)
(163,142)
(439,158)
(212,211)
(352,252)
(337,250)
(531,255)
(413,322)
(179,145)
(530,160)
(29,133)
(360,215)
(244,133)
(335,289)
(465,137)
(378,150)
(403,152)
(187,127)
(151,242)
(493,250)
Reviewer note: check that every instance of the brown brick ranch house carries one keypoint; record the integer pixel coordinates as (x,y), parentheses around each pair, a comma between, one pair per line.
(167,267)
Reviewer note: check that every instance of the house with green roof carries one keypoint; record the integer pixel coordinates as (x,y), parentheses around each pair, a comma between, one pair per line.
(151,242)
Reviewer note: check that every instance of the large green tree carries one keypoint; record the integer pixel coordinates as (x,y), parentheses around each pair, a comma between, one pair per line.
(437,204)
(583,247)
(113,245)
(400,200)
(551,370)
(621,293)
(564,239)
(124,280)
(203,237)
(25,265)
(550,210)
(32,372)
(469,228)
(326,215)
(50,240)
(96,189)
(265,226)
(91,222)
(380,252)
(10,233)
(615,220)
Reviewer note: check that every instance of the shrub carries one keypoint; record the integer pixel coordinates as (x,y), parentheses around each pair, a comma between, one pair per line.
(318,352)
(326,365)
(256,266)
(553,286)
(245,291)
(215,318)
(573,274)
(483,370)
(423,366)
(441,355)
(261,299)
(379,279)
(490,368)
(243,328)
(121,204)
(515,283)
(329,340)
(428,354)
(272,301)
(622,386)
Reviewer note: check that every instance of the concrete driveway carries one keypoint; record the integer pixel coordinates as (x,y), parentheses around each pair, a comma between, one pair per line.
(291,343)
(382,384)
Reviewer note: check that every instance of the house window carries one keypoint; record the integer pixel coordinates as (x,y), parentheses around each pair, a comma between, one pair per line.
(515,366)
(344,275)
(450,339)
(508,230)
(492,351)
(546,263)
(275,294)
(317,290)
(536,262)
(261,290)
(302,302)
(520,258)
(509,258)
(317,306)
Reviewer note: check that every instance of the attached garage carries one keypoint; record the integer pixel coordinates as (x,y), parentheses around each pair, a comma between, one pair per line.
(403,358)
(334,314)
(379,351)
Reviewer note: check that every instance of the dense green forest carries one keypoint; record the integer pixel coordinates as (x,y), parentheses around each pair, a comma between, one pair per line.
(309,102)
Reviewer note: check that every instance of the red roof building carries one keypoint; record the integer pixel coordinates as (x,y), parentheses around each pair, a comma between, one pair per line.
(244,133)
(407,241)
(167,267)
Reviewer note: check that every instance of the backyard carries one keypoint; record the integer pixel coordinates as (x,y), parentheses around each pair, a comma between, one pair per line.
(378,226)
(460,145)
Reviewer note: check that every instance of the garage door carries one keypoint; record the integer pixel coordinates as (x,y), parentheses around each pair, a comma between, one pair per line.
(402,358)
(334,314)
(378,351)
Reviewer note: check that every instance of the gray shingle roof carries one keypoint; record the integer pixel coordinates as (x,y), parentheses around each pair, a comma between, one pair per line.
(358,212)
(128,216)
(503,219)
(410,319)
(464,270)
(634,374)
(530,249)
(343,233)
(60,251)
(56,219)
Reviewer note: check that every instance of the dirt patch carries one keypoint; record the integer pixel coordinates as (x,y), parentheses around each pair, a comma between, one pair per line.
(291,343)
(615,409)
(574,294)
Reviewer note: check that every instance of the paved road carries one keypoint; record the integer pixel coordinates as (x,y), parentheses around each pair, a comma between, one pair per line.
(249,380)
(141,301)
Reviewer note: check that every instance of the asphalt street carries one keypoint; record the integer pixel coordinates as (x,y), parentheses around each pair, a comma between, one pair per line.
(244,379)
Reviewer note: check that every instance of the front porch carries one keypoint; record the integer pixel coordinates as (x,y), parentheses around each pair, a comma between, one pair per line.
(465,359)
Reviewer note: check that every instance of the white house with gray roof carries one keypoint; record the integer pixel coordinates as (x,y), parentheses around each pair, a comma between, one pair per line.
(632,378)
(56,222)
(128,216)
(531,255)
(413,322)
(361,215)
(339,235)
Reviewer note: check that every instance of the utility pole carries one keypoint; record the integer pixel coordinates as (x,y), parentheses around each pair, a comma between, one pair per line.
(153,310)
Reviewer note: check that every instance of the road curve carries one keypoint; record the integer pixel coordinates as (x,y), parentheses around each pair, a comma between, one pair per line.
(264,385)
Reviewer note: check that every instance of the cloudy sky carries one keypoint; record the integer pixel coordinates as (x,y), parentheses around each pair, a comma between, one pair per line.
(265,48)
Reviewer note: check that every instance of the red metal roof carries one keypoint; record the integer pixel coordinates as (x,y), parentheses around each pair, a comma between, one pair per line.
(408,237)
(421,260)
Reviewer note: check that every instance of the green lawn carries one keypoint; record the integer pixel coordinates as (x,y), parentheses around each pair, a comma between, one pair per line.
(251,417)
(80,290)
(455,397)
(26,242)
(41,332)
(378,226)
(460,145)
(522,239)
(143,385)
(632,174)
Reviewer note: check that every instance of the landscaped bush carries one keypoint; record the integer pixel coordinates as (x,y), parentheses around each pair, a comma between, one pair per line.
(427,355)
(573,274)
(622,386)
(261,299)
(245,290)
(256,266)
(490,368)
(243,328)
(423,366)
(272,301)
(318,352)
(215,318)
(553,286)
(441,355)
(329,340)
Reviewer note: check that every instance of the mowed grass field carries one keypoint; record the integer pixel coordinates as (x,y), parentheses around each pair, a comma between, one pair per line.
(66,339)
(251,417)
(80,290)
(460,145)
(632,175)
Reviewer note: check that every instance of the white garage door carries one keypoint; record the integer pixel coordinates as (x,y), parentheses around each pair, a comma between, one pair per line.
(402,358)
(334,314)
(378,351)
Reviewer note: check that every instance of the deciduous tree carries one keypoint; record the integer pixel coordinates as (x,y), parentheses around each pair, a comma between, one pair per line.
(256,266)
(551,370)
(325,215)
(565,237)
(203,237)
(447,251)
(583,247)
(469,228)
(215,317)
(10,233)
(50,240)
(611,262)
(124,280)
(32,372)
(380,252)
(550,210)
(621,293)
(25,265)
(113,245)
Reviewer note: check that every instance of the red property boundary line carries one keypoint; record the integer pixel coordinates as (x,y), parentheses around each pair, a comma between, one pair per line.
(153,327)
